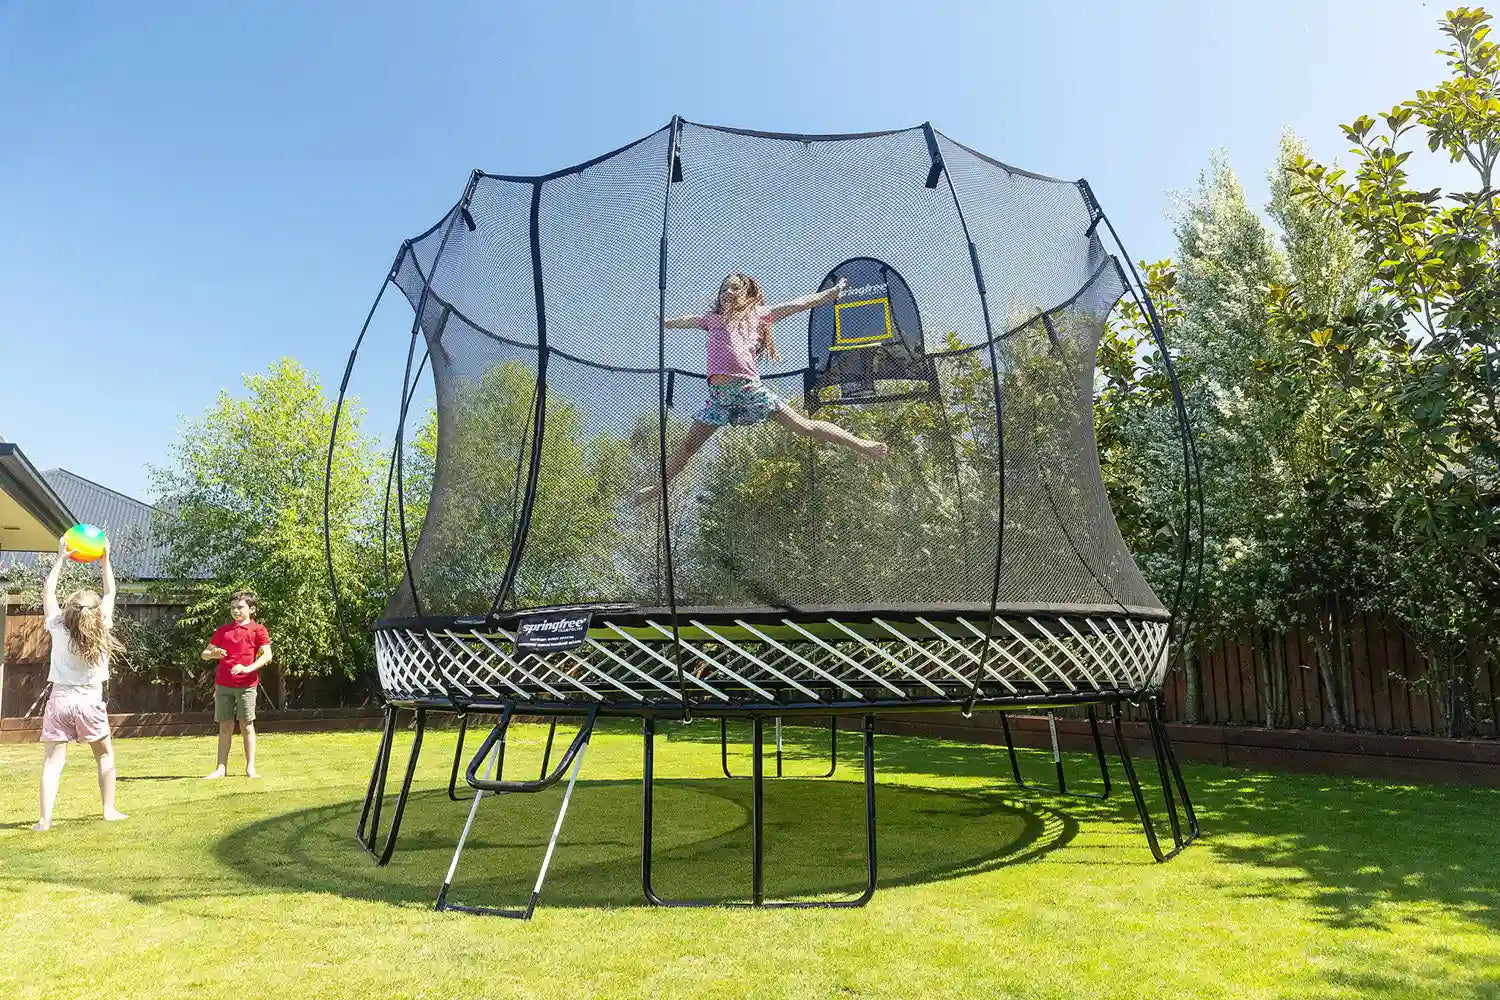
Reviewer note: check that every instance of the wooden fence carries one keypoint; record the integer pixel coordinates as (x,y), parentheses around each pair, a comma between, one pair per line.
(1382,684)
(184,688)
(1261,680)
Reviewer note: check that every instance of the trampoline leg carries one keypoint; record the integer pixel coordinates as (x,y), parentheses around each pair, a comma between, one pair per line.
(496,761)
(377,780)
(723,747)
(547,753)
(757,813)
(1170,776)
(833,748)
(458,756)
(1057,762)
(757,871)
(376,792)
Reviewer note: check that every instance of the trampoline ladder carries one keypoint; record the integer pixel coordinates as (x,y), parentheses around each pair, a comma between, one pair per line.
(458,754)
(492,750)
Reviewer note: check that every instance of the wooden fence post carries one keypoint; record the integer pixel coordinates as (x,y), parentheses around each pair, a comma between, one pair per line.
(4,606)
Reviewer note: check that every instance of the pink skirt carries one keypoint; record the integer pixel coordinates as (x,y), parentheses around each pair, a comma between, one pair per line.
(78,717)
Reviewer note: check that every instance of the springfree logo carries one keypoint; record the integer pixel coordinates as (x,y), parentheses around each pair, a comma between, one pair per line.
(559,625)
(877,290)
(552,631)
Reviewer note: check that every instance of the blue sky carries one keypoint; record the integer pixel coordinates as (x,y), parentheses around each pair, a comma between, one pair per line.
(190,191)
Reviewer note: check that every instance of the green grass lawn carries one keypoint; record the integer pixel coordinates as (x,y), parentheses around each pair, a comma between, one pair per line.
(1301,886)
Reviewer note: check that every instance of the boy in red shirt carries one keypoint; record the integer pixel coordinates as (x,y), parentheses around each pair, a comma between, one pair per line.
(241,648)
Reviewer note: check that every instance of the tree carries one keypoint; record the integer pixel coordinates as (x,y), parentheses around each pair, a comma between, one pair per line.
(764,516)
(245,484)
(1428,404)
(462,544)
(1281,501)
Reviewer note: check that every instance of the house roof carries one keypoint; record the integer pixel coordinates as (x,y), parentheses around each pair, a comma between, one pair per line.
(32,514)
(136,552)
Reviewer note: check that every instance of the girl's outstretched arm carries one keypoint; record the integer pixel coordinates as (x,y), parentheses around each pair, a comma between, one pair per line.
(49,589)
(681,322)
(107,598)
(785,309)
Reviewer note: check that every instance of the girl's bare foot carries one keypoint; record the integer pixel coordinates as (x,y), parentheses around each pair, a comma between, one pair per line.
(217,772)
(114,816)
(250,772)
(876,449)
(42,826)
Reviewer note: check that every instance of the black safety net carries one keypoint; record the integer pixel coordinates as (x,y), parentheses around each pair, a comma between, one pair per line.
(556,385)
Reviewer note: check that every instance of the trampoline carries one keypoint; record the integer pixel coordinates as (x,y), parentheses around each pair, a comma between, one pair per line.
(946,305)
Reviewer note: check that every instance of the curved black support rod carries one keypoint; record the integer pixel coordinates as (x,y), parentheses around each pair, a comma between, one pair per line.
(457,213)
(833,748)
(496,741)
(406,396)
(539,412)
(390,478)
(1192,469)
(1057,761)
(333,437)
(938,166)
(1170,776)
(674,173)
(757,827)
(367,834)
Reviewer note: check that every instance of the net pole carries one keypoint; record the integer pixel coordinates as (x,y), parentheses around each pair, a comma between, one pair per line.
(333,437)
(539,406)
(989,336)
(459,212)
(673,172)
(1192,485)
(416,328)
(390,476)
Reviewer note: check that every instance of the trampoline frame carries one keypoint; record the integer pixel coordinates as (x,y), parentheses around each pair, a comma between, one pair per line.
(670,662)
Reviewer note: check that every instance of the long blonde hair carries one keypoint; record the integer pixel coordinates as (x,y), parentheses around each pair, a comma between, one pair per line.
(89,636)
(731,305)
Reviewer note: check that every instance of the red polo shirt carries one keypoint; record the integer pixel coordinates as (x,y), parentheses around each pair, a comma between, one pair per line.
(240,643)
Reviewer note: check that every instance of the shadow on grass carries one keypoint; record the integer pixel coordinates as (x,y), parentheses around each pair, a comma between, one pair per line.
(1360,849)
(814,843)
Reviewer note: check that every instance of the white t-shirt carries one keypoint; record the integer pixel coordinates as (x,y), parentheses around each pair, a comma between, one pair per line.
(69,673)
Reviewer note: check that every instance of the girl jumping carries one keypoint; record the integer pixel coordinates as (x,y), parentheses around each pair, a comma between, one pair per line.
(739,333)
(81,644)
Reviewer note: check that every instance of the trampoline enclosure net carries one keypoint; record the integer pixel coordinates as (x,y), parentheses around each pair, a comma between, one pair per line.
(543,317)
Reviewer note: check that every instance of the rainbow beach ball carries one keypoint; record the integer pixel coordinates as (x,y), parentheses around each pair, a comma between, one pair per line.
(84,543)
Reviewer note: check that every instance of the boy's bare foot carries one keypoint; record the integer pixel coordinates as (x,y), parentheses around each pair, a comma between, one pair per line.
(217,772)
(42,826)
(114,816)
(876,449)
(251,772)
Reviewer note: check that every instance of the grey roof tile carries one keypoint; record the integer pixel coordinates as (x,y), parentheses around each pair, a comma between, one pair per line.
(137,554)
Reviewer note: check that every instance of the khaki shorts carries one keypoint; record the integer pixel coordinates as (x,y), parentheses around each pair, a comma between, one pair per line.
(234,704)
